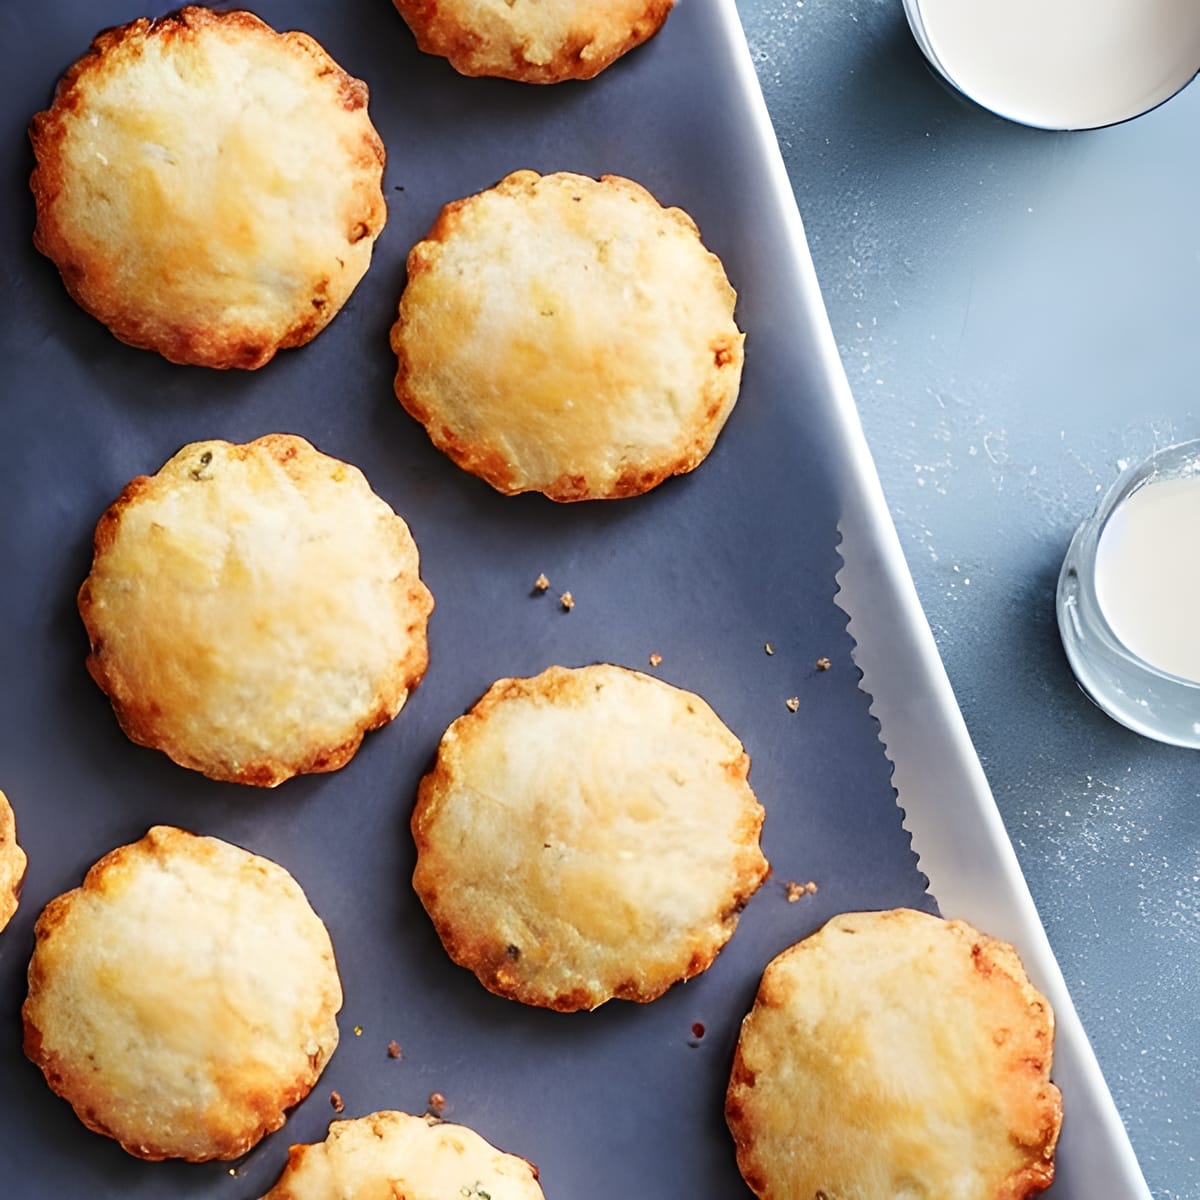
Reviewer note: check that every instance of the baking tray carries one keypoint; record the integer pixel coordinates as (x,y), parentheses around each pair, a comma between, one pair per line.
(779,537)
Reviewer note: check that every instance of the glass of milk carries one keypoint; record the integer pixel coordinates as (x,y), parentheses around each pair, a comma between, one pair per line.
(1061,64)
(1129,598)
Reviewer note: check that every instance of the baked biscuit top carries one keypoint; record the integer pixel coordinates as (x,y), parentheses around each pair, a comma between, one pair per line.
(254,609)
(386,1155)
(533,41)
(208,188)
(891,1055)
(568,335)
(12,863)
(183,997)
(586,834)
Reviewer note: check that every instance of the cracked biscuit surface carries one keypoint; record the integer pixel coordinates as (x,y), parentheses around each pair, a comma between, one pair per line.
(387,1155)
(586,834)
(254,609)
(208,188)
(183,998)
(896,1056)
(533,41)
(569,336)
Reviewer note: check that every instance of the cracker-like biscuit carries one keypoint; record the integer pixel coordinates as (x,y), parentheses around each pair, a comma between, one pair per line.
(387,1155)
(586,834)
(207,187)
(545,41)
(12,863)
(569,336)
(183,998)
(254,609)
(894,1055)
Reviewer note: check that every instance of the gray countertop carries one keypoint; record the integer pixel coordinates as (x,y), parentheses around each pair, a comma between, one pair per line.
(1017,312)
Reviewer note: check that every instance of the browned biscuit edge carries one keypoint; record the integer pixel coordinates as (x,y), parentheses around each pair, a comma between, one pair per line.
(438,32)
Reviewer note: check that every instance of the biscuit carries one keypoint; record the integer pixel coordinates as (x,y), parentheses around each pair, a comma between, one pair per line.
(568,336)
(544,42)
(12,863)
(207,187)
(586,834)
(183,998)
(390,1154)
(895,1054)
(254,609)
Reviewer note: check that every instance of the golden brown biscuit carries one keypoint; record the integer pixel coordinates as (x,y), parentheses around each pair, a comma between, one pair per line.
(534,41)
(894,1055)
(569,336)
(586,834)
(183,998)
(12,863)
(207,187)
(389,1155)
(254,609)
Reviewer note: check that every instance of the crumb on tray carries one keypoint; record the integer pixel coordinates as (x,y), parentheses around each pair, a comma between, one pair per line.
(796,891)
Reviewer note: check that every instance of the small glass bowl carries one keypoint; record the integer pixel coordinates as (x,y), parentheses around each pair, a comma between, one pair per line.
(1143,697)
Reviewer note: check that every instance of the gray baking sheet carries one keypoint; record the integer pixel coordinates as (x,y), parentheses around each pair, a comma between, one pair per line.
(704,571)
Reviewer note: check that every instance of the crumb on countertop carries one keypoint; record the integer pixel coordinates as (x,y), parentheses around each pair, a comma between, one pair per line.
(336,1102)
(793,703)
(437,1104)
(769,647)
(393,1050)
(655,659)
(567,601)
(823,663)
(540,584)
